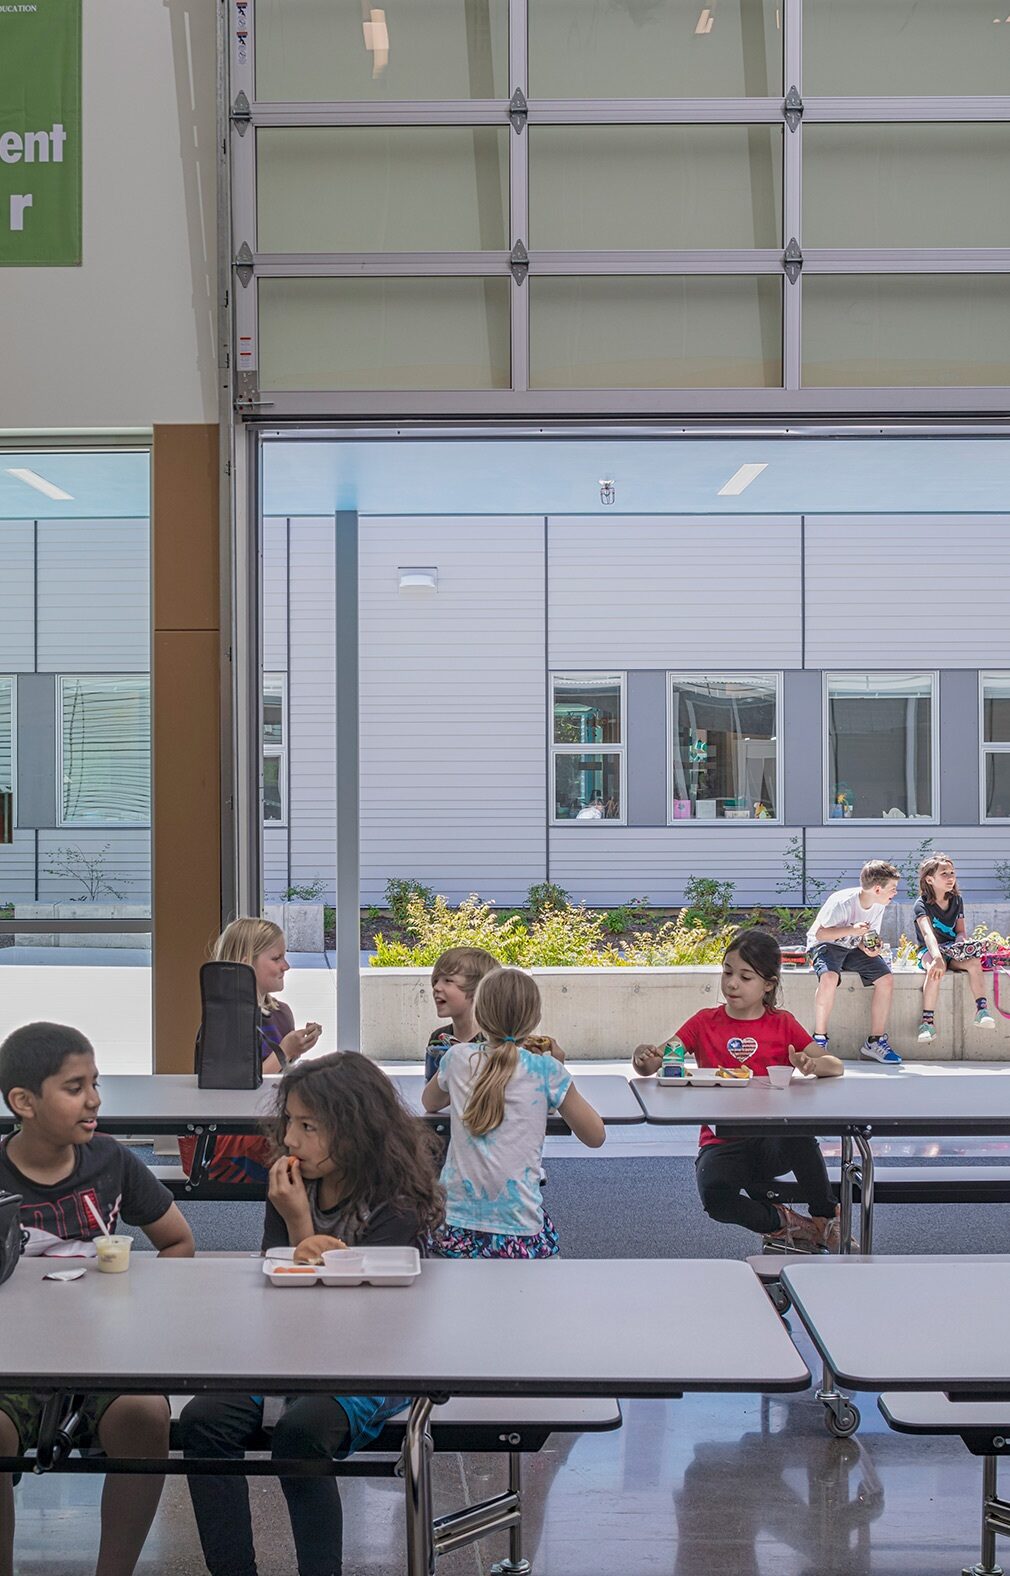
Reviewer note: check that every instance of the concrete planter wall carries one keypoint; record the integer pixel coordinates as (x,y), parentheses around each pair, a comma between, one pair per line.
(55,911)
(302,924)
(898,919)
(602,1014)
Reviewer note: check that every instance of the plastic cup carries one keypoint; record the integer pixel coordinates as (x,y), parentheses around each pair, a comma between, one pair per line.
(113,1254)
(780,1077)
(344,1260)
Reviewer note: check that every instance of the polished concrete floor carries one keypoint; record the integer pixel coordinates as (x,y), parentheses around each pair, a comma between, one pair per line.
(704,1485)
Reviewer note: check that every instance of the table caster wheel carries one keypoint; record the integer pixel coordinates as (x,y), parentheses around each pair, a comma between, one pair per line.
(843,1423)
(511,1568)
(781,1300)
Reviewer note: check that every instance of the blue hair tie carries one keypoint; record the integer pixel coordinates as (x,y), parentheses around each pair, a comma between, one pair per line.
(509,1039)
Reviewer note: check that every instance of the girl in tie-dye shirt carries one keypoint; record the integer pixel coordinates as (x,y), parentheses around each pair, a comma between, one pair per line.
(500,1095)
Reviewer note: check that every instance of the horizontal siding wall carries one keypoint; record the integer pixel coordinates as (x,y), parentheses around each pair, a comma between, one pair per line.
(452,707)
(312,805)
(674,592)
(94,589)
(17,596)
(599,864)
(835,854)
(275,595)
(17,869)
(872,579)
(275,861)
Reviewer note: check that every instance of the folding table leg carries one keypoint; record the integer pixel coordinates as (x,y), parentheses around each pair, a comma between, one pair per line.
(417,1450)
(861,1137)
(995,1518)
(515,1565)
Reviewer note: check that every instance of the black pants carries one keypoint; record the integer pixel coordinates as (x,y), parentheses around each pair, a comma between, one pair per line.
(223,1426)
(734,1176)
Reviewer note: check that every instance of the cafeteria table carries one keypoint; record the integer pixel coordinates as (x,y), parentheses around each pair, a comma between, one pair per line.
(173,1103)
(948,1099)
(170,1325)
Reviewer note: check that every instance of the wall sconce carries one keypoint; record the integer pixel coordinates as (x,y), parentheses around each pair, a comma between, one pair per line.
(418,582)
(608,492)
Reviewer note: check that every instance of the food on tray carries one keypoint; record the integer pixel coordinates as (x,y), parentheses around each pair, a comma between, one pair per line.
(294,1269)
(311,1249)
(741,1074)
(541,1043)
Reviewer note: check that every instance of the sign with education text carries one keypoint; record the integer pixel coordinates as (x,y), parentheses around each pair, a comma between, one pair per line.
(40,133)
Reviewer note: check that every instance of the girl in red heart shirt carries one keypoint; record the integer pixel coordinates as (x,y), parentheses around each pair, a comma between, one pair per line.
(735,1173)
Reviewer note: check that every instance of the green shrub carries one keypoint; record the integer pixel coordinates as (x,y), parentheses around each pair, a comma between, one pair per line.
(910,868)
(306,892)
(543,895)
(401,891)
(707,901)
(678,943)
(617,920)
(560,938)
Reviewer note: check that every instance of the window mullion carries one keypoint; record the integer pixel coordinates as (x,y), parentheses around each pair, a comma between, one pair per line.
(792,198)
(519,181)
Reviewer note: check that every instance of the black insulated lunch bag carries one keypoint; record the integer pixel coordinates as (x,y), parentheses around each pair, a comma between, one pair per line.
(229,1052)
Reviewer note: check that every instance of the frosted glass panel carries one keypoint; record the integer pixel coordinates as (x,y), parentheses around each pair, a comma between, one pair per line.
(379,189)
(879,47)
(326,50)
(920,185)
(384,333)
(655,49)
(684,332)
(655,186)
(931,329)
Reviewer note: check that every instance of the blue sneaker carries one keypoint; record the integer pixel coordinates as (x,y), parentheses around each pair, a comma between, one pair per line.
(880,1050)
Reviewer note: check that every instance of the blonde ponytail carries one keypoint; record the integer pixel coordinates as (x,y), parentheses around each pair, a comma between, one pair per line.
(507,1008)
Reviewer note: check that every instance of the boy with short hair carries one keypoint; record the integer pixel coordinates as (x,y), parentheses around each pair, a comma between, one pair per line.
(56,1161)
(845,937)
(454,979)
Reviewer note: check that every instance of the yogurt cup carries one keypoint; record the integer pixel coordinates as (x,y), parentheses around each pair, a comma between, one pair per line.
(780,1077)
(113,1254)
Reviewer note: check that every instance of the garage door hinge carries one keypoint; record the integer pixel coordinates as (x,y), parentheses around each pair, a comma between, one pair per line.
(793,108)
(519,262)
(244,264)
(241,113)
(793,260)
(518,110)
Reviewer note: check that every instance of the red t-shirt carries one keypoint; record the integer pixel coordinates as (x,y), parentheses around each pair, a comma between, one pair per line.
(717,1040)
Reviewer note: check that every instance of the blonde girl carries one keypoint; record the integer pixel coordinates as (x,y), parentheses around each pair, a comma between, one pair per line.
(500,1094)
(244,1158)
(260,943)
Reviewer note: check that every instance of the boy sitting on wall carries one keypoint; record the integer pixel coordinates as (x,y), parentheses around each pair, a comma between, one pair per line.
(844,938)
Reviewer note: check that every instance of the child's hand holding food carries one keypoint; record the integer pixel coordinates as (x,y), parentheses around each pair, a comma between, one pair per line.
(299,1041)
(544,1045)
(286,1192)
(646,1060)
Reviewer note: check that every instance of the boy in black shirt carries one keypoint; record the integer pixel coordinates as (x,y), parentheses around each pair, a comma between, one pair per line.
(55,1160)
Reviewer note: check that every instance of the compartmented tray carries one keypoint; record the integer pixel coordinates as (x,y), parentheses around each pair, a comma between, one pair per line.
(379,1267)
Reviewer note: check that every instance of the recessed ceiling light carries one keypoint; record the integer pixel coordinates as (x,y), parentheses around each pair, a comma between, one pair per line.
(33,479)
(741,479)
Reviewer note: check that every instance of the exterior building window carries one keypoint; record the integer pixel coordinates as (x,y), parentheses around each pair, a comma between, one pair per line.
(995,746)
(881,746)
(588,746)
(275,808)
(6,759)
(105,751)
(724,747)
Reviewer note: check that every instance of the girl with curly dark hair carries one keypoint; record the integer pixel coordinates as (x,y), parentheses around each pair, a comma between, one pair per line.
(354,1169)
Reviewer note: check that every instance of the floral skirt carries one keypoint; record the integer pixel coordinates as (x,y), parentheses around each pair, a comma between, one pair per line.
(457,1242)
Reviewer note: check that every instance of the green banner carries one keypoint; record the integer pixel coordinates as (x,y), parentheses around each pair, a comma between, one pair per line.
(40,132)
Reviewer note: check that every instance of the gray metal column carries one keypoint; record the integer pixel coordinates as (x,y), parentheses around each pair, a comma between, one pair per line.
(348,899)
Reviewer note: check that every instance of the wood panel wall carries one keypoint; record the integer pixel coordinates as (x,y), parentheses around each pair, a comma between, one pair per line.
(185,681)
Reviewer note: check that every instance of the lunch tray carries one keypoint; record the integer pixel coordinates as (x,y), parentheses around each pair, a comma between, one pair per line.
(381,1267)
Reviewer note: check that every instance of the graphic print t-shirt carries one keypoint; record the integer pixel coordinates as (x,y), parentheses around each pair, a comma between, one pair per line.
(55,1216)
(844,908)
(493,1183)
(943,920)
(717,1040)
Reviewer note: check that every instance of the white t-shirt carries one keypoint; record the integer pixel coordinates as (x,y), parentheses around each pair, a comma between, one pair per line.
(844,908)
(493,1183)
